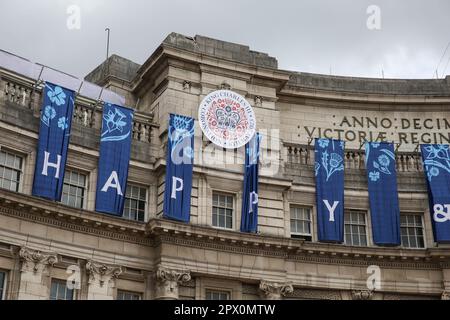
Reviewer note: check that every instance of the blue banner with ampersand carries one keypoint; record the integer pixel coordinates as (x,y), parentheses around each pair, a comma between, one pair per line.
(436,162)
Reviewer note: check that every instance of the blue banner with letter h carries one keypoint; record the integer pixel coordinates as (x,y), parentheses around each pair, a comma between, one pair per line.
(54,136)
(249,214)
(115,148)
(383,193)
(436,162)
(329,172)
(179,166)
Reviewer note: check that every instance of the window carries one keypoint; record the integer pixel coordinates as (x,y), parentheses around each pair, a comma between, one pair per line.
(127,295)
(2,285)
(301,223)
(74,189)
(217,295)
(222,214)
(355,228)
(411,226)
(10,170)
(59,291)
(135,203)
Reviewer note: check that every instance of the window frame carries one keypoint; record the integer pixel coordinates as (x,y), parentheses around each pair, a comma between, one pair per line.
(215,290)
(86,186)
(422,218)
(366,226)
(4,285)
(233,219)
(23,156)
(64,282)
(141,186)
(119,291)
(298,235)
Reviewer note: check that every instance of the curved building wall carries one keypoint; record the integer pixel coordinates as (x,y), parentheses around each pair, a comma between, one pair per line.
(145,256)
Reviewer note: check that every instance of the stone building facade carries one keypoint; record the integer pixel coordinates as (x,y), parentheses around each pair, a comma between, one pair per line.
(47,248)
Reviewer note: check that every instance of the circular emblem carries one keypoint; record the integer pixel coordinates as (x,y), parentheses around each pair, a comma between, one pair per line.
(227,119)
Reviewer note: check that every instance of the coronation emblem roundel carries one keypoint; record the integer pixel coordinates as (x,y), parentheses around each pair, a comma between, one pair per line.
(227,119)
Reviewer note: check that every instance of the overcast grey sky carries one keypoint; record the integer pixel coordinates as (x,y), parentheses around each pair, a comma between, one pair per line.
(307,36)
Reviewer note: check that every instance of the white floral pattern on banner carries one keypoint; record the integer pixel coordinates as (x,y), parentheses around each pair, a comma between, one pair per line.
(437,159)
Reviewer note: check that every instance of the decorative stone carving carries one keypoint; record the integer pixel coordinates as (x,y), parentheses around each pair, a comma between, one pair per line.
(102,273)
(186,85)
(36,261)
(445,295)
(362,294)
(258,101)
(225,86)
(274,290)
(168,281)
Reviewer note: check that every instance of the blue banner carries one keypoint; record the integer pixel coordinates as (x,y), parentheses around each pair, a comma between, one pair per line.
(436,162)
(383,193)
(180,160)
(249,214)
(54,136)
(115,147)
(329,172)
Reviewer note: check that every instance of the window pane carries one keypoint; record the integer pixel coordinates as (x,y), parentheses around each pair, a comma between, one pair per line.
(135,203)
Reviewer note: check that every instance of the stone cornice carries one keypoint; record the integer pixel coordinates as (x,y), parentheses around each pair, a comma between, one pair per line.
(165,231)
(57,215)
(36,260)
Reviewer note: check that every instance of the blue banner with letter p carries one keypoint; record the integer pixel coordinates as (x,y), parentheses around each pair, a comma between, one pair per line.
(329,172)
(115,148)
(383,193)
(436,162)
(249,215)
(179,166)
(54,136)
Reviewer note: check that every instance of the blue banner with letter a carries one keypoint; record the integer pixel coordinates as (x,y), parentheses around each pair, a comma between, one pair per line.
(383,193)
(54,136)
(115,148)
(179,166)
(436,162)
(329,172)
(249,215)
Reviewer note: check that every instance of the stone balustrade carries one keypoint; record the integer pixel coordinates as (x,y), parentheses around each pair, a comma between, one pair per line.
(354,159)
(86,112)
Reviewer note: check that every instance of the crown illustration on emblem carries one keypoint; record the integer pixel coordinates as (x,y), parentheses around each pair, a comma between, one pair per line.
(227,118)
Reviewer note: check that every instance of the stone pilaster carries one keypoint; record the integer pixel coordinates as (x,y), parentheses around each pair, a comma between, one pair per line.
(362,294)
(167,281)
(273,290)
(101,280)
(35,274)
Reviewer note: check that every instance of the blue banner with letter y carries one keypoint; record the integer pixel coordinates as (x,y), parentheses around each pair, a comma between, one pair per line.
(54,136)
(383,193)
(329,172)
(436,162)
(179,166)
(115,148)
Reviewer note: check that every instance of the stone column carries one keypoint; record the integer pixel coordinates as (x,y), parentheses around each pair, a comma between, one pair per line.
(362,294)
(167,281)
(102,280)
(35,274)
(273,290)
